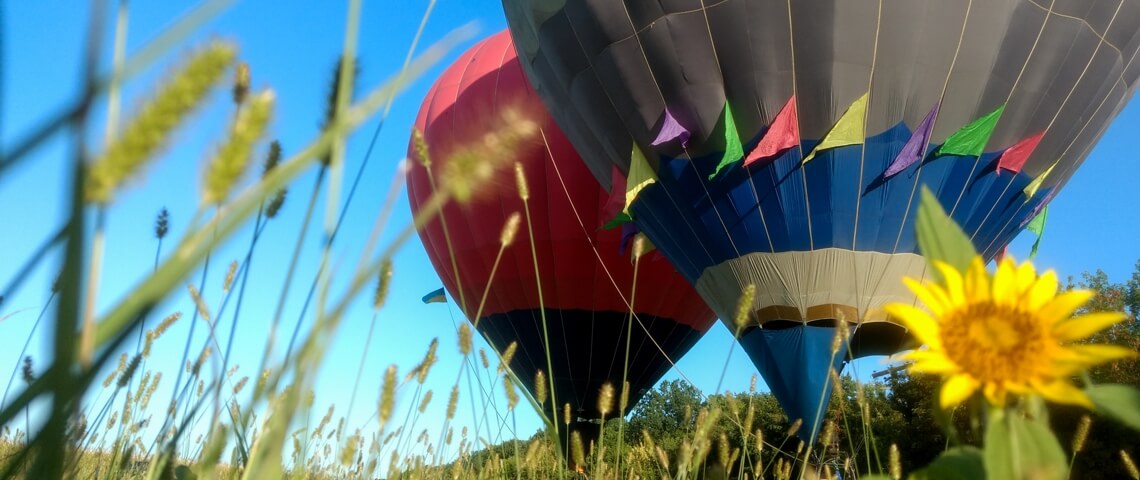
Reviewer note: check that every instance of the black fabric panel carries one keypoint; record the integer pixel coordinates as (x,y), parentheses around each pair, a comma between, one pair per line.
(587,350)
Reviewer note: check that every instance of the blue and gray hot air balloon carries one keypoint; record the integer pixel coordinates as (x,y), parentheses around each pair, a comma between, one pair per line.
(991,104)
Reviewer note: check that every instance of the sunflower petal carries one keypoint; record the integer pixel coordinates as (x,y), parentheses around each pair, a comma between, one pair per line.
(1062,306)
(1061,391)
(1085,325)
(1005,283)
(953,280)
(956,390)
(995,394)
(1043,290)
(928,297)
(977,281)
(1097,354)
(917,321)
(934,364)
(1026,275)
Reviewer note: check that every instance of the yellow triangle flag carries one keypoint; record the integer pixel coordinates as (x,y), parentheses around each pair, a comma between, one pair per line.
(640,176)
(847,131)
(1031,189)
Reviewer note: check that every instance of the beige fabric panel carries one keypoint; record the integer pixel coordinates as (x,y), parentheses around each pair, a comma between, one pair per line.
(812,285)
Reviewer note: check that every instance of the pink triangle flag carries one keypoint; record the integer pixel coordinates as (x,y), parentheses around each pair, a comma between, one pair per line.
(1013,158)
(784,133)
(616,202)
(671,130)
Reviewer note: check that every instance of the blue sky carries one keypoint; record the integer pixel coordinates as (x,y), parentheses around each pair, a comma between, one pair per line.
(291,47)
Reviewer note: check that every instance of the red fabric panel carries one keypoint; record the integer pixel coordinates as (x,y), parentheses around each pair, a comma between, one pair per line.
(568,239)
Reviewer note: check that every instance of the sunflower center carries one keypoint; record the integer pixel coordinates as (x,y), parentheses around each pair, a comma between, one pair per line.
(995,343)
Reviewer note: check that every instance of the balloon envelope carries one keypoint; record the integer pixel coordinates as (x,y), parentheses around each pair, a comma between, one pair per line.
(828,241)
(564,300)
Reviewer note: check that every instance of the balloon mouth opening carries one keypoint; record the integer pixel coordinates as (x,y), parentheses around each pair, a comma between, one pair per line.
(866,339)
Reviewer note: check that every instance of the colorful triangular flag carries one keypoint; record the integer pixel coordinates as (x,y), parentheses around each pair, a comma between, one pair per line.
(436,296)
(733,150)
(847,131)
(640,176)
(671,130)
(1031,189)
(614,205)
(971,139)
(1013,158)
(1004,252)
(628,230)
(916,146)
(1037,226)
(782,134)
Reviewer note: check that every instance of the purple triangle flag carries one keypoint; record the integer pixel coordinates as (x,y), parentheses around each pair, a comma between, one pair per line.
(628,230)
(671,130)
(916,146)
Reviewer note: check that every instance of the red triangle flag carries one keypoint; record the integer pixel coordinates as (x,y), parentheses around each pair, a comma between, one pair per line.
(784,133)
(1013,158)
(616,203)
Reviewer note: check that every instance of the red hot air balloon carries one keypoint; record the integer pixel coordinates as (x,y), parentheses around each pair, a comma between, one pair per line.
(573,286)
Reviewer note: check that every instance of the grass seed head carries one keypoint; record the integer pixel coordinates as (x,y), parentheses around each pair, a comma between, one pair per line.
(895,462)
(744,307)
(129,371)
(464,338)
(424,403)
(452,402)
(151,128)
(606,399)
(162,224)
(1129,465)
(383,284)
(387,395)
(508,355)
(795,427)
(230,273)
(520,180)
(1081,434)
(512,395)
(540,387)
(241,83)
(510,230)
(233,157)
(27,371)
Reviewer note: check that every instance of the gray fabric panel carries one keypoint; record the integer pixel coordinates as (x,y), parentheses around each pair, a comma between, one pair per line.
(608,68)
(691,55)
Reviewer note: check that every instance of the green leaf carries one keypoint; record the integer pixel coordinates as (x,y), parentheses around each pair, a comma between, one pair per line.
(1119,402)
(959,463)
(1017,448)
(939,238)
(875,477)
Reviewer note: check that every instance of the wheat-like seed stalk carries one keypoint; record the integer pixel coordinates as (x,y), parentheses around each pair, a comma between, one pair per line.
(233,157)
(145,135)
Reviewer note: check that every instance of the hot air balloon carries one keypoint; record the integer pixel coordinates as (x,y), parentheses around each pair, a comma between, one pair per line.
(786,142)
(564,300)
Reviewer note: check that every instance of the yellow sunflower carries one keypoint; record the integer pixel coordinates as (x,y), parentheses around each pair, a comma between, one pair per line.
(1007,334)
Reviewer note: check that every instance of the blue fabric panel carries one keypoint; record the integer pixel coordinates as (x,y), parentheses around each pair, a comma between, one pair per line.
(795,363)
(699,222)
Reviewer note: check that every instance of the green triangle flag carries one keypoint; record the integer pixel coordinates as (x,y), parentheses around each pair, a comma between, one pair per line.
(1031,189)
(847,131)
(640,176)
(733,150)
(1037,226)
(971,139)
